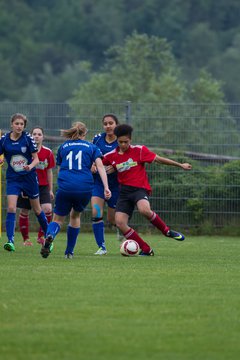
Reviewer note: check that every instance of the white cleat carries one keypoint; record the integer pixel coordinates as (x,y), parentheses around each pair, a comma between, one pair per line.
(101,252)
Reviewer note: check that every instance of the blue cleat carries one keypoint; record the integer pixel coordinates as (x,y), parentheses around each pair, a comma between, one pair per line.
(150,253)
(175,235)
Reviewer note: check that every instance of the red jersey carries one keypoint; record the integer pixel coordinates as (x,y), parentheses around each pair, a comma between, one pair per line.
(46,161)
(130,165)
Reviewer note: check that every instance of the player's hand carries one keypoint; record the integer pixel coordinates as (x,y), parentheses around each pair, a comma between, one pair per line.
(1,160)
(107,194)
(109,169)
(27,167)
(51,195)
(186,166)
(93,169)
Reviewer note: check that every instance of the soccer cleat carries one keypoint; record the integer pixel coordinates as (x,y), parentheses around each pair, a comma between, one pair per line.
(175,235)
(9,246)
(150,253)
(101,251)
(47,247)
(68,256)
(27,243)
(40,240)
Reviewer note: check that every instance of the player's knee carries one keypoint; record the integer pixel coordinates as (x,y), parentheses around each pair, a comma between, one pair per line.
(146,212)
(97,219)
(47,208)
(24,212)
(96,213)
(11,209)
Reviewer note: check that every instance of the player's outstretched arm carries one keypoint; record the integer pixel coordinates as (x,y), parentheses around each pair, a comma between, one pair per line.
(166,161)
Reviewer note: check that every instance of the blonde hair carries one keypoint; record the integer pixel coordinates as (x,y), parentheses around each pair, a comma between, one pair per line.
(77,131)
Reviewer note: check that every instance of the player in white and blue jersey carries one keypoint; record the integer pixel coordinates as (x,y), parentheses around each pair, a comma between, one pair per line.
(106,142)
(20,152)
(75,158)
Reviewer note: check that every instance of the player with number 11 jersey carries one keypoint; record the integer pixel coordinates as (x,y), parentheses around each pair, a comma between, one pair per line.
(75,159)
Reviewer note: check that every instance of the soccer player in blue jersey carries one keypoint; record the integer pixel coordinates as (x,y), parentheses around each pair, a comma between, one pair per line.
(20,151)
(106,142)
(75,158)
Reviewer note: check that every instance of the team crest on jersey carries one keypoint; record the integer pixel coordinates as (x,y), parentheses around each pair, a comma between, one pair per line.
(126,165)
(23,149)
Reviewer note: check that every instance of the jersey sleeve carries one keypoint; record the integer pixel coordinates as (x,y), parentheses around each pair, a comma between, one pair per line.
(51,160)
(96,138)
(32,144)
(96,153)
(106,160)
(146,155)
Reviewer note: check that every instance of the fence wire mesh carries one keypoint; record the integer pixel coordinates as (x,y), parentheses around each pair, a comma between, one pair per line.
(207,135)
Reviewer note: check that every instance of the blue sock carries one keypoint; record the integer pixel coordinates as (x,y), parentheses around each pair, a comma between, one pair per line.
(53,229)
(10,226)
(98,230)
(43,221)
(72,234)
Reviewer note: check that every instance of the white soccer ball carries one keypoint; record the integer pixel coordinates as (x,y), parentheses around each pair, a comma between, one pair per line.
(129,248)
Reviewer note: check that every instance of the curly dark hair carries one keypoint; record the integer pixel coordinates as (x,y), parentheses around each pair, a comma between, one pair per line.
(123,130)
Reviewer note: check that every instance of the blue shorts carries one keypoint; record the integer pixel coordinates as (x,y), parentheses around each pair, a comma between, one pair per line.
(65,201)
(98,191)
(28,184)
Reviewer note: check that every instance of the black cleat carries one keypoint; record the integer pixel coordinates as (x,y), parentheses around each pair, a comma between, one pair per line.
(47,246)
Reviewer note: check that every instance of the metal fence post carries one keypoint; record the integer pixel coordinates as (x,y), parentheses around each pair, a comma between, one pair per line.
(128,112)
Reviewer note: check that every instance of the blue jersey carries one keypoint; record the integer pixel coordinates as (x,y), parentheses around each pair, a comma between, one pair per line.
(105,147)
(75,158)
(17,153)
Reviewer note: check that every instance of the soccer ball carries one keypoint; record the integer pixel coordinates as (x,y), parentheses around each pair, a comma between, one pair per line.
(129,248)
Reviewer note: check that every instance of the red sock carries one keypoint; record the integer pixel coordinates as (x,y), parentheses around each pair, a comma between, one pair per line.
(49,219)
(133,235)
(159,223)
(24,226)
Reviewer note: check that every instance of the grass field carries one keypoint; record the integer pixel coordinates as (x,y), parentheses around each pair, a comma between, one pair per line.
(183,303)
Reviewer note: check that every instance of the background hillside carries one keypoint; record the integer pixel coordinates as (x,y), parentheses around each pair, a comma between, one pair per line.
(49,48)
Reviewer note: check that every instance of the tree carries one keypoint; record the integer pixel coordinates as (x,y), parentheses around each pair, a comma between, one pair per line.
(133,72)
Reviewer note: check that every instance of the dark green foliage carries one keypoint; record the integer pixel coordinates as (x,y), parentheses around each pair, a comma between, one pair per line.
(62,33)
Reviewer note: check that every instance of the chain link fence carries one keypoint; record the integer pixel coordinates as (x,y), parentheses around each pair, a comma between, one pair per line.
(205,200)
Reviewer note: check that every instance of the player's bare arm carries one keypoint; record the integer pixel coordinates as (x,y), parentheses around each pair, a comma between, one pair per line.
(165,161)
(33,163)
(103,175)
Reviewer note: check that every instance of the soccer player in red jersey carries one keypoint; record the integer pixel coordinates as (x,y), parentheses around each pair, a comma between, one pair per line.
(129,162)
(45,179)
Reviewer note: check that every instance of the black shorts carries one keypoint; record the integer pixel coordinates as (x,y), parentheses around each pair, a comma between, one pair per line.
(44,197)
(128,197)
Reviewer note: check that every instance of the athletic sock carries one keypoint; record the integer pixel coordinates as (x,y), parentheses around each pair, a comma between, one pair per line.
(53,229)
(10,226)
(133,235)
(42,221)
(159,223)
(72,234)
(24,226)
(49,218)
(98,230)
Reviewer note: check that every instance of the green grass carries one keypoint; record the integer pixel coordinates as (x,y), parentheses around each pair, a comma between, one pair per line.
(183,303)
